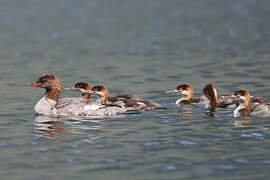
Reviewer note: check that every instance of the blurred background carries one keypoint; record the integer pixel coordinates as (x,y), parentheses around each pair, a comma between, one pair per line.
(142,47)
(135,45)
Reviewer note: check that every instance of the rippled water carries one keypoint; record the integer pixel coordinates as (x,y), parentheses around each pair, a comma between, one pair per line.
(146,48)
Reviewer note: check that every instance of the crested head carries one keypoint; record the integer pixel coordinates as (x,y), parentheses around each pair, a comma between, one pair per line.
(83,85)
(48,81)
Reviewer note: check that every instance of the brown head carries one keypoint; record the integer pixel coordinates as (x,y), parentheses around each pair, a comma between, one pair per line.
(243,96)
(102,92)
(84,86)
(210,92)
(184,89)
(49,82)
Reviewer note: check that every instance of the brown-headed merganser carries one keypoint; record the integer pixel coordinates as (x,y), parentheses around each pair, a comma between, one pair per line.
(243,108)
(51,105)
(248,107)
(224,101)
(83,88)
(123,100)
(187,92)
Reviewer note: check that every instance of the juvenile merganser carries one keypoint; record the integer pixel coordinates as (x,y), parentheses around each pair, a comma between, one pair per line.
(51,105)
(123,100)
(258,107)
(187,92)
(213,101)
(83,88)
(243,108)
(225,101)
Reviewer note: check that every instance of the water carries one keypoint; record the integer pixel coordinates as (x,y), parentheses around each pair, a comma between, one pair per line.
(141,47)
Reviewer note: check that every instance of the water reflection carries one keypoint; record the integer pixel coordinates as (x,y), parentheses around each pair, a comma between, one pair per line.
(56,127)
(187,110)
(211,113)
(245,122)
(48,127)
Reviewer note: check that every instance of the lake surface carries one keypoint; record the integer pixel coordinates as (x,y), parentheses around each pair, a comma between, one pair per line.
(140,47)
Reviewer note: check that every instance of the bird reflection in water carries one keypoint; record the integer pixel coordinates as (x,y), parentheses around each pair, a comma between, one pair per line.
(245,122)
(211,113)
(187,110)
(48,127)
(55,128)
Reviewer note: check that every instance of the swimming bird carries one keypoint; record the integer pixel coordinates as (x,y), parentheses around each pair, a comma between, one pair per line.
(259,106)
(187,91)
(51,105)
(130,101)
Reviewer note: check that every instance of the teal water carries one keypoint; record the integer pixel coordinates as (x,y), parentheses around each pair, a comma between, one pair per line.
(141,47)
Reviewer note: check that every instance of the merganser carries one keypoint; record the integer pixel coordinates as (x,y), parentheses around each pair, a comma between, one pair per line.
(83,88)
(123,100)
(187,92)
(224,101)
(213,101)
(243,108)
(51,105)
(246,107)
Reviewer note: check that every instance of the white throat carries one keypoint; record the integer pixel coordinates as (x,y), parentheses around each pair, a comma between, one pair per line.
(185,93)
(179,101)
(236,112)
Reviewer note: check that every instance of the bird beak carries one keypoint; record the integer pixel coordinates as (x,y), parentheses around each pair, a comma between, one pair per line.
(80,90)
(72,89)
(32,85)
(175,91)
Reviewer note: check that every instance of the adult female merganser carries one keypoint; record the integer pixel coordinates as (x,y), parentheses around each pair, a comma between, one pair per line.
(246,107)
(187,92)
(123,100)
(51,105)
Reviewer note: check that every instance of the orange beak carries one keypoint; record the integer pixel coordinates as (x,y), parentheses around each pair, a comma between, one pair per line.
(32,85)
